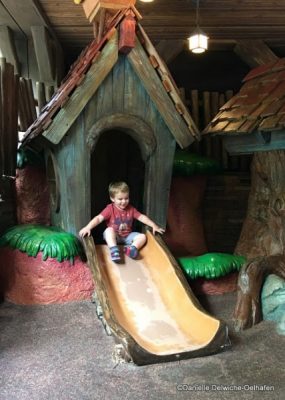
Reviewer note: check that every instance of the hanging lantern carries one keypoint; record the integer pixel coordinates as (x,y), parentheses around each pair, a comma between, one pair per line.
(198,41)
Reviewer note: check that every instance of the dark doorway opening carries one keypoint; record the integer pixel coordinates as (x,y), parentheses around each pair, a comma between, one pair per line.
(116,157)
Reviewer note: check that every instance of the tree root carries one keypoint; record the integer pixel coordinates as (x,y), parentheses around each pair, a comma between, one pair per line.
(251,277)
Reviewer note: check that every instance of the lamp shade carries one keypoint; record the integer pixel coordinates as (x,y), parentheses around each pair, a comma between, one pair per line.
(198,41)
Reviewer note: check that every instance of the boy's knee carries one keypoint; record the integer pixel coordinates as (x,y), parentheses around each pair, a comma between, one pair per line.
(109,232)
(143,237)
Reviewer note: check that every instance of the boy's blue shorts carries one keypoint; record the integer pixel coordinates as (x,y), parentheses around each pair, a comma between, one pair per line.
(128,240)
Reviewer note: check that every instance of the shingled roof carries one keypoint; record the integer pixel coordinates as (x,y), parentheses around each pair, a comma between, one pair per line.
(179,120)
(258,107)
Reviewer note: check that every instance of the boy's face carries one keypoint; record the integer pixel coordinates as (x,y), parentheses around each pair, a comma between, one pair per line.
(121,200)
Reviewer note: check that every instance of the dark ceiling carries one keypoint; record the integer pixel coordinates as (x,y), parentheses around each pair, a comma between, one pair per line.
(225,21)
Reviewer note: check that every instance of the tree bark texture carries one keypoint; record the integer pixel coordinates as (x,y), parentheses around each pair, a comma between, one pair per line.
(262,239)
(263,231)
(251,277)
(185,231)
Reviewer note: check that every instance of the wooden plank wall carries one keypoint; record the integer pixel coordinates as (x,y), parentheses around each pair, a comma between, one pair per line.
(203,107)
(224,210)
(8,142)
(17,112)
(31,101)
(226,196)
(121,93)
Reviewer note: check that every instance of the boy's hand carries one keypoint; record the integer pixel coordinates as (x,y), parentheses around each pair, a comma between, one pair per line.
(147,221)
(85,231)
(157,229)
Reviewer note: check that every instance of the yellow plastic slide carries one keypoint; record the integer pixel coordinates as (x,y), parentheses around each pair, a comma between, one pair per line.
(149,307)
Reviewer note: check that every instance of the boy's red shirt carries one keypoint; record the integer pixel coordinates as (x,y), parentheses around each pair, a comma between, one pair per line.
(120,220)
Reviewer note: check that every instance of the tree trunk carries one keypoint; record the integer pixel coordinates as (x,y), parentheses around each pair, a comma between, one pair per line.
(185,231)
(263,231)
(262,235)
(248,310)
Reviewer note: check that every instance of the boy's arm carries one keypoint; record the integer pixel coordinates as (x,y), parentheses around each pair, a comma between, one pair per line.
(86,230)
(147,221)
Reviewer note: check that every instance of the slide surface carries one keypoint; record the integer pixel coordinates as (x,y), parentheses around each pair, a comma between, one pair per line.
(159,318)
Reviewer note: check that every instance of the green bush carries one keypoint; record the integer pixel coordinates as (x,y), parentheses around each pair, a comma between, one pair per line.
(210,265)
(53,242)
(189,164)
(28,157)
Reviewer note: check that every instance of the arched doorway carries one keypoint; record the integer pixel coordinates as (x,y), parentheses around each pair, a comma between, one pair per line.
(116,157)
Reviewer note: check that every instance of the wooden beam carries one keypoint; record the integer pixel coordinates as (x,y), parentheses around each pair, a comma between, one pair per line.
(93,79)
(43,52)
(254,52)
(26,14)
(159,96)
(20,16)
(250,143)
(6,19)
(8,48)
(169,49)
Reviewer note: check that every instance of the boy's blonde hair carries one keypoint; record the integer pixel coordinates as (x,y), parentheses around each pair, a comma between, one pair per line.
(116,187)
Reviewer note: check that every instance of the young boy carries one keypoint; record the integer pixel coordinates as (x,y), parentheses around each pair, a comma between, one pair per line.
(119,216)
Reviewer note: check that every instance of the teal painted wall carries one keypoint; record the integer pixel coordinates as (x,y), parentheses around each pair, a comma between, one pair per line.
(121,92)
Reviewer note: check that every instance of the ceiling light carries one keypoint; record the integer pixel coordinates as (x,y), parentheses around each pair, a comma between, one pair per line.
(198,41)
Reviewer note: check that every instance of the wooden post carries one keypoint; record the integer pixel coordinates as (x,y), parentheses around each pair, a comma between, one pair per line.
(45,61)
(8,143)
(224,159)
(15,114)
(1,128)
(8,47)
(31,99)
(9,162)
(41,95)
(216,140)
(222,99)
(195,115)
(207,119)
(23,117)
(49,92)
(8,119)
(3,111)
(195,106)
(27,118)
(233,161)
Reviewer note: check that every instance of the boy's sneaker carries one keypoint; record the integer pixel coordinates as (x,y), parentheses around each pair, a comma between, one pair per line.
(115,254)
(131,251)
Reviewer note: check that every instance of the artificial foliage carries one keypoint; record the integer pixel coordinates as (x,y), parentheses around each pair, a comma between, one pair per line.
(189,164)
(28,157)
(211,265)
(52,241)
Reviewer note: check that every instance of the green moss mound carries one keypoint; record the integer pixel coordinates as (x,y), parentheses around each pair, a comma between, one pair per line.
(28,157)
(189,164)
(53,242)
(211,265)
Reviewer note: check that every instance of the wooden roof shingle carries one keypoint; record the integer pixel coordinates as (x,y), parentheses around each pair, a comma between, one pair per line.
(54,114)
(259,105)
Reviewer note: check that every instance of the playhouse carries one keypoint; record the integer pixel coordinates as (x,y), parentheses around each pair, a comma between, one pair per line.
(116,117)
